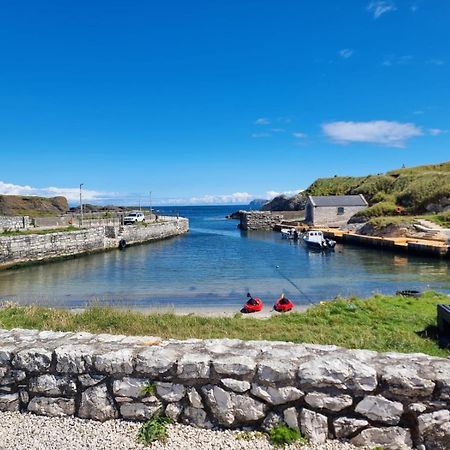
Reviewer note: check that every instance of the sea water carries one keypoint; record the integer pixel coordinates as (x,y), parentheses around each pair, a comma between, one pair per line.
(216,264)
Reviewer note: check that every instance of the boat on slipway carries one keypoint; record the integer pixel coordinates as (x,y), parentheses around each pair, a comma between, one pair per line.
(316,240)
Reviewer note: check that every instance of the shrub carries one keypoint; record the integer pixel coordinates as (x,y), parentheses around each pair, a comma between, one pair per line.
(377,210)
(281,435)
(383,197)
(154,429)
(149,389)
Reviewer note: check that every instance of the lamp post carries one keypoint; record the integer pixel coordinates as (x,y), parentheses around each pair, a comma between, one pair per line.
(150,205)
(81,205)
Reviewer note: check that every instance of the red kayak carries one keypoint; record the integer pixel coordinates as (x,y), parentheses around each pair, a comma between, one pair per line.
(283,304)
(252,305)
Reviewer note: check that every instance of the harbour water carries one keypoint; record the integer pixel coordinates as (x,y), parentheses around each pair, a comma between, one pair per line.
(216,264)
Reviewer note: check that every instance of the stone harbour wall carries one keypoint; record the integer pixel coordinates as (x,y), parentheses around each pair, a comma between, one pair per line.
(259,220)
(393,401)
(13,223)
(38,247)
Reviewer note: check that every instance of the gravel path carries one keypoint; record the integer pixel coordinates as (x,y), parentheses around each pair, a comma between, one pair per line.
(30,432)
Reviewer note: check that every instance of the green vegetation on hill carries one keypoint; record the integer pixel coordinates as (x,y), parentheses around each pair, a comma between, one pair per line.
(33,206)
(416,189)
(381,323)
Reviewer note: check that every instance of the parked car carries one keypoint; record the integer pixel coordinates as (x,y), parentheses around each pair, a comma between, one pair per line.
(134,217)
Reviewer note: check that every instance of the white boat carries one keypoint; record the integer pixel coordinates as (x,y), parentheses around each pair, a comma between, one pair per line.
(288,233)
(316,239)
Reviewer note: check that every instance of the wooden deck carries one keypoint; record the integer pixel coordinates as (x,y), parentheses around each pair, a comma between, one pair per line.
(425,247)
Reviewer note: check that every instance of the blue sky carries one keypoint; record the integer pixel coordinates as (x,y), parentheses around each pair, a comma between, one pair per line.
(217,101)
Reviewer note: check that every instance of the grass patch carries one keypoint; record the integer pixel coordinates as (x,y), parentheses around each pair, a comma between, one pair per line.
(38,231)
(249,435)
(381,323)
(442,219)
(154,429)
(149,389)
(281,435)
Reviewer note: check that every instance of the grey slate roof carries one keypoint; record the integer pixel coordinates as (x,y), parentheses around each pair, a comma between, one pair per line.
(337,200)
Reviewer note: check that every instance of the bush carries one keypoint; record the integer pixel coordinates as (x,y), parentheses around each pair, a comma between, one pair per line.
(281,435)
(374,185)
(154,429)
(377,210)
(383,197)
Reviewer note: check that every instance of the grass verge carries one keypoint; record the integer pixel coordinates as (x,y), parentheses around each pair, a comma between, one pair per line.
(38,231)
(381,323)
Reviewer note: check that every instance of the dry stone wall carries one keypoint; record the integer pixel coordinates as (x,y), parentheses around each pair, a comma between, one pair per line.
(394,401)
(37,247)
(13,223)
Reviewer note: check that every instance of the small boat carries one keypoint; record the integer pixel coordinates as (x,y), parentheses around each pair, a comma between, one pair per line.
(283,304)
(316,239)
(289,233)
(252,305)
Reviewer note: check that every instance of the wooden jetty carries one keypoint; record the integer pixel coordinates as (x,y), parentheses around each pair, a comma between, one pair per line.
(426,247)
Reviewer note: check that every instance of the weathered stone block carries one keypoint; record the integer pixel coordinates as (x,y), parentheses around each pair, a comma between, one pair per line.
(9,402)
(275,371)
(74,358)
(345,427)
(196,417)
(170,392)
(337,372)
(319,400)
(155,361)
(33,360)
(229,408)
(379,409)
(435,429)
(235,366)
(236,385)
(277,396)
(140,411)
(116,362)
(55,407)
(129,387)
(194,366)
(392,438)
(53,385)
(97,404)
(314,426)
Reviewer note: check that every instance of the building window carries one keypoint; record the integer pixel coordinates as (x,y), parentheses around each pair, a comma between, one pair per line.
(340,210)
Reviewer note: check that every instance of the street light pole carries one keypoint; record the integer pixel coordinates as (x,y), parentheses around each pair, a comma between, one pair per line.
(150,205)
(81,204)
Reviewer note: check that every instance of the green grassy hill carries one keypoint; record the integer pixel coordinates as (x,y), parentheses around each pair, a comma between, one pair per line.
(418,190)
(33,206)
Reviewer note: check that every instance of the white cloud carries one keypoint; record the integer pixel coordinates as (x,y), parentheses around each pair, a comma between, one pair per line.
(436,62)
(393,134)
(272,194)
(346,53)
(237,197)
(299,135)
(394,60)
(277,130)
(436,131)
(380,7)
(262,121)
(72,194)
(260,135)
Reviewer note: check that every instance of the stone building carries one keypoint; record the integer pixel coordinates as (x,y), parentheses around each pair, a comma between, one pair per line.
(333,210)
